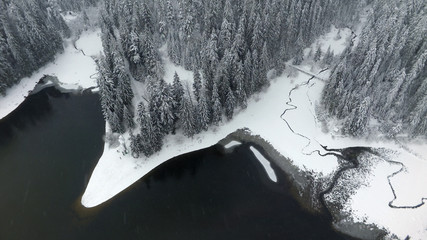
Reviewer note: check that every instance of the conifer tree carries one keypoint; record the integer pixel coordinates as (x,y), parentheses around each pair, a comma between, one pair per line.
(230,104)
(197,85)
(318,54)
(204,119)
(248,70)
(216,107)
(177,95)
(187,118)
(240,93)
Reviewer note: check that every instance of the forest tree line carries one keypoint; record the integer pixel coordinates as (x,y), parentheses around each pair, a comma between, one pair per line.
(30,35)
(229,45)
(385,76)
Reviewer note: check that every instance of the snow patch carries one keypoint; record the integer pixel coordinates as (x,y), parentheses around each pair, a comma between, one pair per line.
(336,38)
(69,16)
(90,43)
(232,144)
(265,163)
(170,68)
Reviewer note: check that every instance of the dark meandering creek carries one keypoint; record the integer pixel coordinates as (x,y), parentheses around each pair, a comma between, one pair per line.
(51,143)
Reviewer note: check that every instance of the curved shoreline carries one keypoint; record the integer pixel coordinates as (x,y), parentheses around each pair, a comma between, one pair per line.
(301,184)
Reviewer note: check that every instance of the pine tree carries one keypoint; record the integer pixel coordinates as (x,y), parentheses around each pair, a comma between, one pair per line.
(204,119)
(230,104)
(135,145)
(225,37)
(329,57)
(299,57)
(216,108)
(357,122)
(318,54)
(248,70)
(240,43)
(128,115)
(257,39)
(161,107)
(240,93)
(197,85)
(257,72)
(177,95)
(211,61)
(264,66)
(187,118)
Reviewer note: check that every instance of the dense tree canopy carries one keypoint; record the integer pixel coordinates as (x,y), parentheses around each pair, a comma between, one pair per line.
(30,35)
(385,76)
(230,45)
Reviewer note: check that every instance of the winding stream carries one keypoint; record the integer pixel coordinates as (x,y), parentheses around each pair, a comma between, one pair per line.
(348,158)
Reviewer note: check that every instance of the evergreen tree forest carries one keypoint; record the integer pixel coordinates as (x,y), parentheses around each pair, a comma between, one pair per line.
(229,45)
(384,77)
(31,34)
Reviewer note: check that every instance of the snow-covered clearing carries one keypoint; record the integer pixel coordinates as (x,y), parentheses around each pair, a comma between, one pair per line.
(73,70)
(265,163)
(90,43)
(336,39)
(170,68)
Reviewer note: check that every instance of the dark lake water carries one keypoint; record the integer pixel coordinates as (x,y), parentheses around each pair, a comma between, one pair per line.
(50,145)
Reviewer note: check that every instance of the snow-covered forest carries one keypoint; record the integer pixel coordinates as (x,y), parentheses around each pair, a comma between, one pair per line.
(230,45)
(379,82)
(30,35)
(384,77)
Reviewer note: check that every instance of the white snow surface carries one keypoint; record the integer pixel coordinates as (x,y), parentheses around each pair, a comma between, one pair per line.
(232,144)
(90,43)
(336,39)
(265,163)
(116,171)
(170,68)
(370,204)
(73,70)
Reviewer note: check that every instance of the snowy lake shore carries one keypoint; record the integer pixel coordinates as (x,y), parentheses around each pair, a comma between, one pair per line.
(72,70)
(300,147)
(386,183)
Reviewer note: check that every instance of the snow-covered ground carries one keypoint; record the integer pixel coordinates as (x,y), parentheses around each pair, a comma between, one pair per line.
(116,171)
(370,204)
(170,68)
(73,70)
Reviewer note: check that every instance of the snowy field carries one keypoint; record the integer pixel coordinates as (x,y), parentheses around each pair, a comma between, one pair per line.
(73,70)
